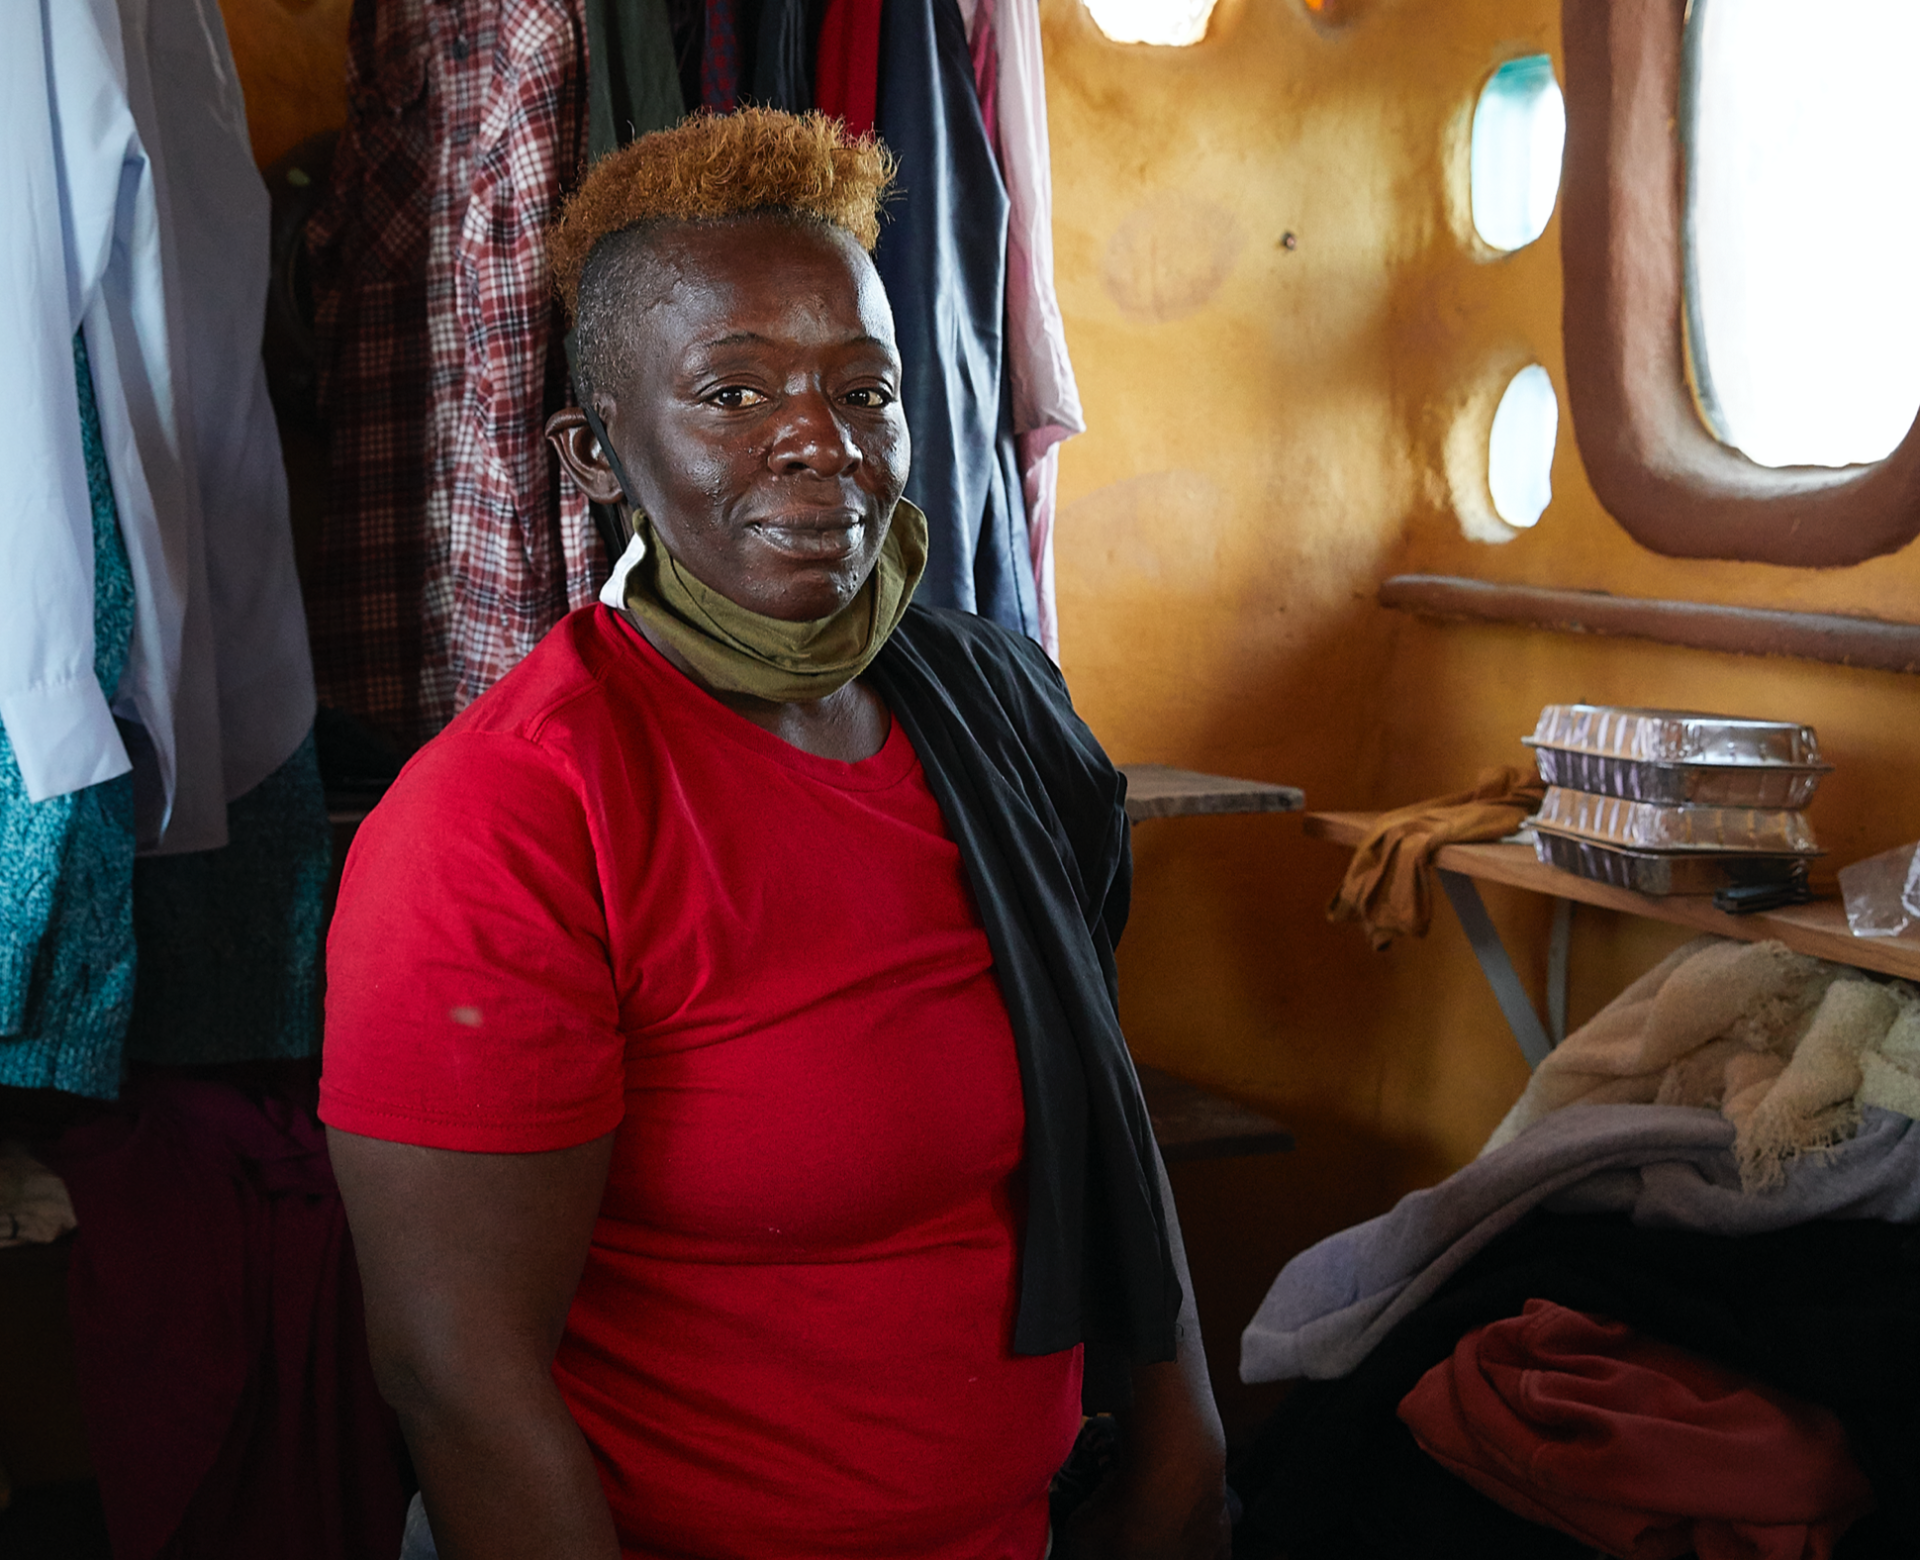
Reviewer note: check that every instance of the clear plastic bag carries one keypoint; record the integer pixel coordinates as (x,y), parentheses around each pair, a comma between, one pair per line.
(1882,893)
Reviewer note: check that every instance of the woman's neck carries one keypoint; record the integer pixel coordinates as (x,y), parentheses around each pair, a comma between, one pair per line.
(849,724)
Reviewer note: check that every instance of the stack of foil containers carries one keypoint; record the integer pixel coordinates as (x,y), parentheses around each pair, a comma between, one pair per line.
(1674,801)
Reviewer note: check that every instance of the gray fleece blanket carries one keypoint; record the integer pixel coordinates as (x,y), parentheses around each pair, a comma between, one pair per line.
(1668,1166)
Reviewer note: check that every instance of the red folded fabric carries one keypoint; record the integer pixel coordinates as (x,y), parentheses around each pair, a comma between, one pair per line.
(1638,1448)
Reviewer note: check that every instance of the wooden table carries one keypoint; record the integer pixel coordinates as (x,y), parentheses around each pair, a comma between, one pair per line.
(1818,928)
(1190,1121)
(1155,791)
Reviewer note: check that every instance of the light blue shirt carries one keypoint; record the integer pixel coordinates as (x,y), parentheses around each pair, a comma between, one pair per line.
(130,208)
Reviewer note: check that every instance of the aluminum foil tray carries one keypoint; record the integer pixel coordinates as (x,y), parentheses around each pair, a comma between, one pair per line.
(1658,872)
(1674,736)
(1611,820)
(1716,785)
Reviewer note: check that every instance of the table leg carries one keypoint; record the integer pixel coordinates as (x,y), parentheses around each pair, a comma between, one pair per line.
(1559,945)
(1495,964)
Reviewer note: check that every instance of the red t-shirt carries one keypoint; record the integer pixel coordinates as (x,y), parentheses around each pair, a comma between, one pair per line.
(601,901)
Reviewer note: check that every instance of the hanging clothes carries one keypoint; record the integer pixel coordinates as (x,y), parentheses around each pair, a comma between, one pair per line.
(632,84)
(1046,397)
(942,255)
(368,242)
(783,55)
(66,863)
(720,57)
(225,1382)
(847,80)
(977,17)
(522,549)
(230,939)
(142,221)
(450,546)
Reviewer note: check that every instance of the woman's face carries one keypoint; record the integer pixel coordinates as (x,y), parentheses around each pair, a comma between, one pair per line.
(759,416)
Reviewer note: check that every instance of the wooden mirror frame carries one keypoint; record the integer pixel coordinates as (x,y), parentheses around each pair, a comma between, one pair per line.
(1652,461)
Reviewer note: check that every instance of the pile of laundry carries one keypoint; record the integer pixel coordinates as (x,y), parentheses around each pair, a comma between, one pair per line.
(1671,1308)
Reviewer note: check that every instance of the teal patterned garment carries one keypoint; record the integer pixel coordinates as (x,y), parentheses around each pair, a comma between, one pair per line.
(66,864)
(230,939)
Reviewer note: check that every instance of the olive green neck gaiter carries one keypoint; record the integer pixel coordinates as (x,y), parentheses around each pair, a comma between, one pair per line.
(746,652)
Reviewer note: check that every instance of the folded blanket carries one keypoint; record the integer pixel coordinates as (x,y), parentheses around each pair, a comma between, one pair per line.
(1669,1167)
(1890,1075)
(1777,1042)
(1643,1450)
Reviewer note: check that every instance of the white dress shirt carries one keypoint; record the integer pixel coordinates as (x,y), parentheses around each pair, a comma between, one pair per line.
(130,208)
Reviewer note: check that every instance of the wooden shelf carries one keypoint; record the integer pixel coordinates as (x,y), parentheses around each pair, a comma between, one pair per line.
(1155,791)
(1818,928)
(1191,1122)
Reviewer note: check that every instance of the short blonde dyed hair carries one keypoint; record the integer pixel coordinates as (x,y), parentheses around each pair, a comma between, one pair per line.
(711,167)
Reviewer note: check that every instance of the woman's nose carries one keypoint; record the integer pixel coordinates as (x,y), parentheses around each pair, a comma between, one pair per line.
(813,437)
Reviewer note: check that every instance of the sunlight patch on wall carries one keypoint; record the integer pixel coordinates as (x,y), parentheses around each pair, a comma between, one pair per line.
(1803,143)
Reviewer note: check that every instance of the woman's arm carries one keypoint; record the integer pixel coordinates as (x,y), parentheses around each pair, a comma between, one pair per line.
(469,1263)
(1167,1500)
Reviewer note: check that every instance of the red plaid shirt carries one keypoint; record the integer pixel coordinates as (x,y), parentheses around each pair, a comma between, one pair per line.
(450,544)
(521,545)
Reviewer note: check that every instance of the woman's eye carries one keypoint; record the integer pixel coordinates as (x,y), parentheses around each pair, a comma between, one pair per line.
(735,397)
(870,396)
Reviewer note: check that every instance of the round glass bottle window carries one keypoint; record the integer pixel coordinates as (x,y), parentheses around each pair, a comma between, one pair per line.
(1520,449)
(1519,133)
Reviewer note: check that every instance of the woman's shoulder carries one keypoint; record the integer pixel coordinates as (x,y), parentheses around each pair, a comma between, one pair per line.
(1007,696)
(966,647)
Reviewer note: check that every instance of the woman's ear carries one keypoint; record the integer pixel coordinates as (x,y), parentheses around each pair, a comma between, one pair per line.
(580,453)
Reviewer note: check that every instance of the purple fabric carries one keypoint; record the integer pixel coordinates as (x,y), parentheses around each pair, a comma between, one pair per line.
(1664,1166)
(229,1402)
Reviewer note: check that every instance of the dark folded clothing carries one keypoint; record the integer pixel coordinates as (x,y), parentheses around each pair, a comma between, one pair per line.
(1822,1311)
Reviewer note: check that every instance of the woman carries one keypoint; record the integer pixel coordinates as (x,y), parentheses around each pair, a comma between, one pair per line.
(722,1072)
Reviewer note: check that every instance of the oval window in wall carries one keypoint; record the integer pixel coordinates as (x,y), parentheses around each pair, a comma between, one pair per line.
(1519,132)
(1520,449)
(1802,145)
(1168,22)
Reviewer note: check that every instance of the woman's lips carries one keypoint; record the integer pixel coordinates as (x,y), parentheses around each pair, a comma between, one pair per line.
(828,539)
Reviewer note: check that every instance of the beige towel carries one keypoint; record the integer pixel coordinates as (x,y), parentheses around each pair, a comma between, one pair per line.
(1752,995)
(1890,1075)
(1788,1048)
(1811,1104)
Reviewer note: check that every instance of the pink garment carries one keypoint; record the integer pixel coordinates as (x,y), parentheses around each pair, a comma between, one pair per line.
(1638,1448)
(983,48)
(1046,399)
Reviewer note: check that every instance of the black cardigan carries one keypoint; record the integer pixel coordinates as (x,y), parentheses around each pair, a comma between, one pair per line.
(1038,814)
